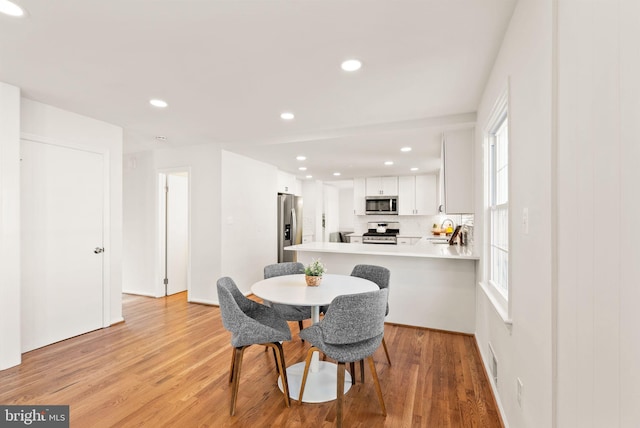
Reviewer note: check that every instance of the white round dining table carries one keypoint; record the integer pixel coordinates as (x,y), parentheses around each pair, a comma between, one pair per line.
(293,290)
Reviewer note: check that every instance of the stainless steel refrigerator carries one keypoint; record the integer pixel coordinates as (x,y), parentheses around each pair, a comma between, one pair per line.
(289,225)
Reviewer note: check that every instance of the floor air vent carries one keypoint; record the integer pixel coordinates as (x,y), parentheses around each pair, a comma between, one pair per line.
(493,364)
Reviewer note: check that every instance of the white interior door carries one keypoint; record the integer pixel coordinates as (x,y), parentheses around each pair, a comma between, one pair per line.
(62,223)
(177,232)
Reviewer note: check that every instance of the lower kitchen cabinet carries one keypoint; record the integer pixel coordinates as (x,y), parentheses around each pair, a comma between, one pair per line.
(408,240)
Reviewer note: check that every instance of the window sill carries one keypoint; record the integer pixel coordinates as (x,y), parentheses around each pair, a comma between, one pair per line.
(501,309)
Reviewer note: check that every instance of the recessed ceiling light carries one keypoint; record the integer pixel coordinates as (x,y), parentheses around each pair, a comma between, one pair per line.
(11,9)
(405,149)
(414,169)
(388,163)
(351,65)
(303,168)
(158,103)
(301,158)
(336,174)
(287,115)
(309,176)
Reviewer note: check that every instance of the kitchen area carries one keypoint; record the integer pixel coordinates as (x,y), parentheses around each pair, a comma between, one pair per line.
(439,194)
(420,227)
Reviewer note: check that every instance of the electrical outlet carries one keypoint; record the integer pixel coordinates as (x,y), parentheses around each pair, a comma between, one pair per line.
(519,391)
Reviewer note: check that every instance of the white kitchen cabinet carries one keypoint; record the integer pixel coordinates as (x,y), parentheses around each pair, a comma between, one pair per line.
(408,240)
(359,192)
(287,183)
(406,195)
(457,172)
(417,195)
(387,186)
(404,241)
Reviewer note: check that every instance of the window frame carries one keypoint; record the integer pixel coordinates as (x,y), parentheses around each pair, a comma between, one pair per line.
(498,296)
(494,207)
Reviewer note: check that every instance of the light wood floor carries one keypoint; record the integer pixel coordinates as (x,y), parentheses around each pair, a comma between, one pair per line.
(167,366)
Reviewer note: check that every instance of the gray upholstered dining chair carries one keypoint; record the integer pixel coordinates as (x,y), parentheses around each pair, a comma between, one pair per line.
(251,323)
(289,312)
(351,330)
(380,275)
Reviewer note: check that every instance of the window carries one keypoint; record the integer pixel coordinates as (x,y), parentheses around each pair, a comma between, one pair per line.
(495,250)
(498,205)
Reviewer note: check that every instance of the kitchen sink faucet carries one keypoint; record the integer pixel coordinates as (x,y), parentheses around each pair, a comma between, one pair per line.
(453,225)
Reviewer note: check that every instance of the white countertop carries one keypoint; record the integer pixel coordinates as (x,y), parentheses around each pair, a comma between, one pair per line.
(423,248)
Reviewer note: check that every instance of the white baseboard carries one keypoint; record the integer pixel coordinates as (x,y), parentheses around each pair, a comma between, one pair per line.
(137,293)
(204,302)
(117,321)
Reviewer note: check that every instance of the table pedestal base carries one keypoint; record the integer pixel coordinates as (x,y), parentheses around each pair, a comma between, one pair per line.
(321,384)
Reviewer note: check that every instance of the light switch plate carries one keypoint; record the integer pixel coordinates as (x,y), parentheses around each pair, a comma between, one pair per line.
(525,221)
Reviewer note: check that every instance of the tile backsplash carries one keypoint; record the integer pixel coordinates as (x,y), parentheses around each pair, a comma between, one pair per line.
(418,225)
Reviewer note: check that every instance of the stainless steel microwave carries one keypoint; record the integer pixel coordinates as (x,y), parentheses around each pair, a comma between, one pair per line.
(381,205)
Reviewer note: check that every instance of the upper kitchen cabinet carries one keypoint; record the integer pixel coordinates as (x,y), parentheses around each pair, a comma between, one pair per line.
(456,176)
(417,195)
(287,183)
(359,192)
(387,186)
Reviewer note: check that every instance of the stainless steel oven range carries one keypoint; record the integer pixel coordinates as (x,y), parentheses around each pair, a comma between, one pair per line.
(381,233)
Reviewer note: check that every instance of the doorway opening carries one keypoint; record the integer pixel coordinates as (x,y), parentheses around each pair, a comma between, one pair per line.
(174,263)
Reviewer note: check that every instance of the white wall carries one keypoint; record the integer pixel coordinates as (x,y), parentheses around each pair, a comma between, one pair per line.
(50,123)
(233,219)
(143,276)
(9,226)
(526,350)
(346,216)
(598,175)
(139,227)
(331,210)
(249,218)
(313,200)
(54,124)
(204,164)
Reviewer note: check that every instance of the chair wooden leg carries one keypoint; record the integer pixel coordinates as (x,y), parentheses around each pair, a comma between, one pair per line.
(352,370)
(301,326)
(386,351)
(340,394)
(283,374)
(307,363)
(282,370)
(362,371)
(374,374)
(275,357)
(233,364)
(236,378)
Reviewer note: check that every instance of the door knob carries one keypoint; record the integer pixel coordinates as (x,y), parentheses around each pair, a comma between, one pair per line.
(98,250)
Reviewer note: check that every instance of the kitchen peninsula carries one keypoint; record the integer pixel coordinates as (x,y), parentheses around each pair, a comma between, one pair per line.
(432,284)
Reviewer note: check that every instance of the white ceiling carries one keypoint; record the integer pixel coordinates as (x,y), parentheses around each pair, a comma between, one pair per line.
(228,68)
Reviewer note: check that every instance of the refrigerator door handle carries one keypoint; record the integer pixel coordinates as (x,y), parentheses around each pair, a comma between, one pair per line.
(294,226)
(280,229)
